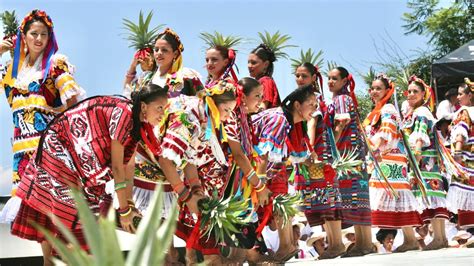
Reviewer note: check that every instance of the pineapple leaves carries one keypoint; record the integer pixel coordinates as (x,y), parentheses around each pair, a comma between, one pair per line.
(139,35)
(276,42)
(308,57)
(218,39)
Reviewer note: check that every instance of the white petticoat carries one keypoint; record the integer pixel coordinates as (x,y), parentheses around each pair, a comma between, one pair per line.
(460,197)
(381,200)
(10,210)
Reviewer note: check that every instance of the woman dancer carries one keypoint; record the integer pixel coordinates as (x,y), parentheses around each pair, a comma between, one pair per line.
(418,124)
(382,129)
(354,187)
(38,85)
(98,147)
(274,148)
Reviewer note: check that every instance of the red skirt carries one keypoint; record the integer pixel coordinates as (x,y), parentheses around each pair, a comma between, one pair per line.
(22,226)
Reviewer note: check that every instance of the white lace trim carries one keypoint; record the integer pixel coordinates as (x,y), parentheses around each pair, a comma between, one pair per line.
(142,198)
(434,203)
(459,198)
(10,210)
(381,200)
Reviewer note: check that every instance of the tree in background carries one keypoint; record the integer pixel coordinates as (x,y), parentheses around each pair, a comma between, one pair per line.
(447,27)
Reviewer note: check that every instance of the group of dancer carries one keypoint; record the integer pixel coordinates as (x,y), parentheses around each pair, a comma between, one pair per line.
(229,137)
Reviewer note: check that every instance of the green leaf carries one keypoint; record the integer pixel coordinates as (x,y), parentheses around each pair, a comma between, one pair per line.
(89,226)
(147,228)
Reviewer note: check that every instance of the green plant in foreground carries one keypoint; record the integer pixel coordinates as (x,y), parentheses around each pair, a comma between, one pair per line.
(152,237)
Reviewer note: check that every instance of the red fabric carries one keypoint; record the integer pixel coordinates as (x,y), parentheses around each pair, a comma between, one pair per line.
(22,227)
(76,152)
(429,214)
(270,92)
(204,245)
(466,218)
(386,219)
(151,185)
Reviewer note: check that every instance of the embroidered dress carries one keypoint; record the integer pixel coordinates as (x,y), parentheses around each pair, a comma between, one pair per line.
(354,187)
(461,192)
(75,150)
(270,92)
(34,103)
(184,81)
(419,126)
(321,198)
(137,83)
(183,142)
(271,130)
(147,172)
(387,211)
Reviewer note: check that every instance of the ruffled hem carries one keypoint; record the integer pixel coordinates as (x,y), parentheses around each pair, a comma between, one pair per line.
(345,116)
(434,203)
(142,198)
(174,156)
(10,210)
(460,197)
(415,136)
(459,129)
(381,200)
(76,91)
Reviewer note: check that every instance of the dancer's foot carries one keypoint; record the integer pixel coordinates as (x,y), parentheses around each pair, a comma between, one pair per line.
(333,252)
(436,244)
(286,254)
(213,260)
(407,247)
(355,252)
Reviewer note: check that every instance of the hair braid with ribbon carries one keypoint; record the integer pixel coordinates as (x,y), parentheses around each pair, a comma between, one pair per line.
(222,92)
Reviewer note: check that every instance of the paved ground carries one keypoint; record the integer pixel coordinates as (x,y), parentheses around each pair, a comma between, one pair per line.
(13,248)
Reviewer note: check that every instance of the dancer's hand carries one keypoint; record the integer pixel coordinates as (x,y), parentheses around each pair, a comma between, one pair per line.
(192,203)
(5,46)
(264,196)
(127,221)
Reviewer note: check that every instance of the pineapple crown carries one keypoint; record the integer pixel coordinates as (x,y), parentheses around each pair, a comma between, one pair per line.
(10,23)
(274,44)
(218,39)
(308,57)
(140,36)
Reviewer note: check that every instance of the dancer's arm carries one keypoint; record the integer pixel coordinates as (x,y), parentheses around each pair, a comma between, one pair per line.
(244,164)
(169,169)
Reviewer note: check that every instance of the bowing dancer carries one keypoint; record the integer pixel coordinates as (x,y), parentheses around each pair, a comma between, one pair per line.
(98,146)
(274,148)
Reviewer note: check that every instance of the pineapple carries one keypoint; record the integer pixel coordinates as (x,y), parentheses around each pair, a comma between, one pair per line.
(217,39)
(10,27)
(276,42)
(142,38)
(308,57)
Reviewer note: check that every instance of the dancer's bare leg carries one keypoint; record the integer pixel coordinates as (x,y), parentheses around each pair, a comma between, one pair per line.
(409,240)
(439,235)
(335,245)
(285,233)
(47,253)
